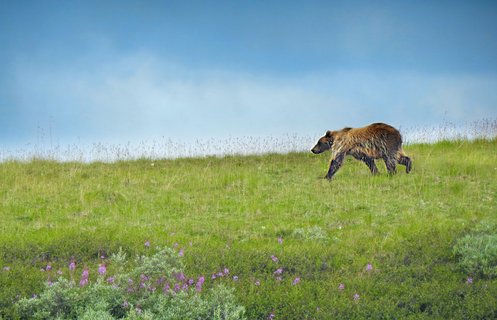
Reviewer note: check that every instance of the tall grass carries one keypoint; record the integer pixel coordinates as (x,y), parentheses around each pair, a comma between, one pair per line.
(296,246)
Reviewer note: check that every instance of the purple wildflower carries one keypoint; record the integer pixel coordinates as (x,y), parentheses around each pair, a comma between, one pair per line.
(274,258)
(469,280)
(226,271)
(356,297)
(235,278)
(257,283)
(84,277)
(191,282)
(72,265)
(279,278)
(296,281)
(125,304)
(59,272)
(102,269)
(271,316)
(181,253)
(6,268)
(83,282)
(341,287)
(369,267)
(48,267)
(180,276)
(278,271)
(147,244)
(111,279)
(280,240)
(199,284)
(214,276)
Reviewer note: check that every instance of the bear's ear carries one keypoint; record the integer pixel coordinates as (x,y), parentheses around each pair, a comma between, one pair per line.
(329,134)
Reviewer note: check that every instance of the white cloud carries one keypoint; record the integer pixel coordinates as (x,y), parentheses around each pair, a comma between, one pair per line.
(143,97)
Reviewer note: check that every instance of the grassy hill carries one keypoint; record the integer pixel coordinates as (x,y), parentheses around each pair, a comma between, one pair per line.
(417,245)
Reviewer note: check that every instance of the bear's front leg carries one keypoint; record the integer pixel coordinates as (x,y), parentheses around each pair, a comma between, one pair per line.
(335,165)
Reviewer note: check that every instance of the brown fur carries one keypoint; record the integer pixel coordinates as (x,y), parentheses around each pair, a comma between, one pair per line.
(376,141)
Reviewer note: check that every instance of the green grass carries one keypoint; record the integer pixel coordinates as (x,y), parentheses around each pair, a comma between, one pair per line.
(230,212)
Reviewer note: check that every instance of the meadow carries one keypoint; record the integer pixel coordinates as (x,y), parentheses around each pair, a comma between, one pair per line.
(291,244)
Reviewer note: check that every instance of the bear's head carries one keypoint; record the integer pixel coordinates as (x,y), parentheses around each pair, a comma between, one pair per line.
(324,143)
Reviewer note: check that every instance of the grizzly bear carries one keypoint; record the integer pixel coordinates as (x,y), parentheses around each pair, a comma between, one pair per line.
(376,141)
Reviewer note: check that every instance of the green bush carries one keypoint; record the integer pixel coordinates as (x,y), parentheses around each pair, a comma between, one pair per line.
(477,254)
(154,288)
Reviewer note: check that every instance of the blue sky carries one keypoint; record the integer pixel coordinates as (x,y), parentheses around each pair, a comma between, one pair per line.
(118,71)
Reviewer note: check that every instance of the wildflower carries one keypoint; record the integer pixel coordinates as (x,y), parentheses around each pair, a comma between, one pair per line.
(278,271)
(296,281)
(278,278)
(72,265)
(191,282)
(199,284)
(356,297)
(341,287)
(111,280)
(257,283)
(180,276)
(48,267)
(235,278)
(59,272)
(84,277)
(214,276)
(274,258)
(34,296)
(220,274)
(369,267)
(226,271)
(102,269)
(83,282)
(143,278)
(181,253)
(6,268)
(125,304)
(175,245)
(469,280)
(280,240)
(271,316)
(147,244)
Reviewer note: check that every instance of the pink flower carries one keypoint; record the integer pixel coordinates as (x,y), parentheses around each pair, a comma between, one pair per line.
(296,281)
(199,284)
(341,287)
(102,269)
(369,267)
(72,265)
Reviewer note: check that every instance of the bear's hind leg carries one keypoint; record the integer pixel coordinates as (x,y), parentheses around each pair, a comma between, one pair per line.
(391,165)
(406,161)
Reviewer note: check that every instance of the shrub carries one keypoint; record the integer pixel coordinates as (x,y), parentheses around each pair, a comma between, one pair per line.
(154,288)
(477,254)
